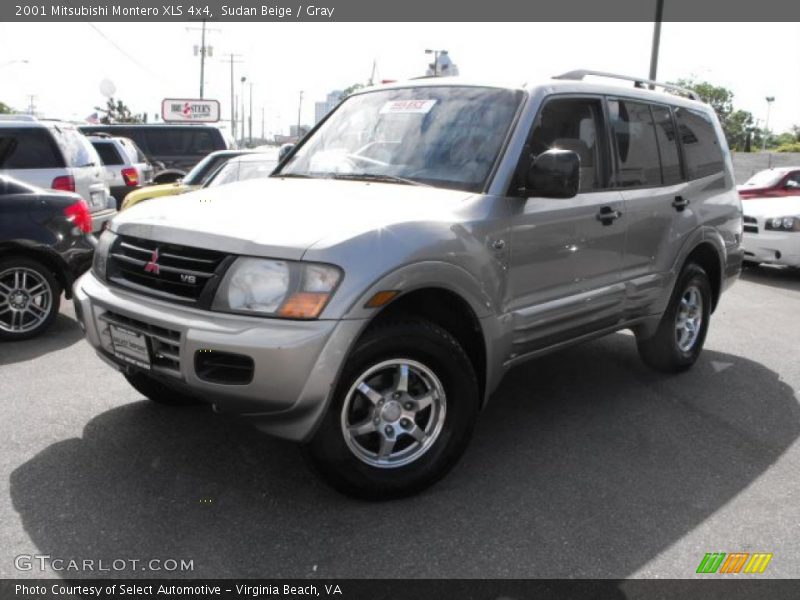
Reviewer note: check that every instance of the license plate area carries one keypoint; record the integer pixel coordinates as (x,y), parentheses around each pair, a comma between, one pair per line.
(130,346)
(97,200)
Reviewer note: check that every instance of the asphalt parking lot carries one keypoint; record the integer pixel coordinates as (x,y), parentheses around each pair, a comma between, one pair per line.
(586,464)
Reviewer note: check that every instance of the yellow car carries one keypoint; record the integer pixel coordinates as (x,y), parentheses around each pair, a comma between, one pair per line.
(193,180)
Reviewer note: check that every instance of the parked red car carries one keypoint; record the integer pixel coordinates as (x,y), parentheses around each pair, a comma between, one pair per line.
(772,183)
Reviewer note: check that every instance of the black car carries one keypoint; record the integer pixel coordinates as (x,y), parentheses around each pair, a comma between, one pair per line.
(174,149)
(43,248)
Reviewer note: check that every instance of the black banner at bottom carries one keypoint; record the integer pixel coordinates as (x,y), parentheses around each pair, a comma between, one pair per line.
(401,589)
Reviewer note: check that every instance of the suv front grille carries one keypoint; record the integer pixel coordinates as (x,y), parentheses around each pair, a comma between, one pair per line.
(178,273)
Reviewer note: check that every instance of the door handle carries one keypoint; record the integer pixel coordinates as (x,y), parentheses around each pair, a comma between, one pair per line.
(608,215)
(679,203)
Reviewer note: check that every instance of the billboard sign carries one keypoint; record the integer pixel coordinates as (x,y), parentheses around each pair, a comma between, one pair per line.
(189,110)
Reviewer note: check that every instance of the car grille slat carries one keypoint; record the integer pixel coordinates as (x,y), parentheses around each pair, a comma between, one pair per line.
(180,273)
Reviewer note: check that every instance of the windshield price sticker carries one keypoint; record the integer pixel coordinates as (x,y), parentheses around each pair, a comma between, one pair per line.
(408,106)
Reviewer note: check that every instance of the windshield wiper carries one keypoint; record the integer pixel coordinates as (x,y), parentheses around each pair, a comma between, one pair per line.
(376,177)
(298,175)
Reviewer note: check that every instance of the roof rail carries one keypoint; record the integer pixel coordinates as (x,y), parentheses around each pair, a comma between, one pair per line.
(638,82)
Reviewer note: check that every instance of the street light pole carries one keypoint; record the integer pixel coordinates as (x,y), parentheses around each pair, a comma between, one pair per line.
(233,61)
(656,40)
(770,100)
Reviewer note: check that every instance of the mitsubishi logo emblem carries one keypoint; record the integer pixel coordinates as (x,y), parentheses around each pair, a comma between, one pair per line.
(152,265)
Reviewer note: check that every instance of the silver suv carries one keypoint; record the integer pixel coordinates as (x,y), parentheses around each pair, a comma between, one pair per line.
(367,299)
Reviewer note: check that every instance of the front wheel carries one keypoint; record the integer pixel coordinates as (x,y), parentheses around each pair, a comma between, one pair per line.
(401,415)
(679,339)
(30,296)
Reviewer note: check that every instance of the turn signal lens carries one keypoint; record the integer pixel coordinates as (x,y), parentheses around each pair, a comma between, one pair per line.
(381,298)
(304,305)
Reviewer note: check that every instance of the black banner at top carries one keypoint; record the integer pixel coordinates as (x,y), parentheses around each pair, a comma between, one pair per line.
(398,10)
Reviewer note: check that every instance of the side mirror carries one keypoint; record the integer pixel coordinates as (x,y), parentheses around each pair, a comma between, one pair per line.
(284,150)
(792,185)
(554,174)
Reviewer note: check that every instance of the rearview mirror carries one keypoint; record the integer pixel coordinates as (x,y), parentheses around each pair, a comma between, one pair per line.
(284,150)
(554,174)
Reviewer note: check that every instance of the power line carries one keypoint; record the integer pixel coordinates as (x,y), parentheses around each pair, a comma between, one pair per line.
(123,52)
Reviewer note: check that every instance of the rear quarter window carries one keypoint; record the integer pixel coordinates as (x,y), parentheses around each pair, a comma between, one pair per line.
(77,149)
(702,153)
(108,153)
(29,148)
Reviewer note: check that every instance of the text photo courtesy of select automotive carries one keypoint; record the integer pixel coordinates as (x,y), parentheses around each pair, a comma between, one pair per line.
(443,313)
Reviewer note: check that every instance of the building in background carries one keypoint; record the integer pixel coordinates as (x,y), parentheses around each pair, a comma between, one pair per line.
(323,108)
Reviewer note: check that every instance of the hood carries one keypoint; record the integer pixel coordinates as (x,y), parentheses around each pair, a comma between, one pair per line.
(785,206)
(284,217)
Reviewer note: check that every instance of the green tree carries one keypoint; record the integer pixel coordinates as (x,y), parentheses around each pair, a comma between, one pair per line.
(5,109)
(353,88)
(118,112)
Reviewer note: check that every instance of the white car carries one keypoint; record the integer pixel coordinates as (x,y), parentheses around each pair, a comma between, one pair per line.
(772,230)
(55,155)
(127,168)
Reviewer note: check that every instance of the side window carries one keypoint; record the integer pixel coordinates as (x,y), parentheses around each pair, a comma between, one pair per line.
(667,145)
(203,143)
(28,148)
(701,149)
(794,178)
(571,124)
(108,153)
(635,144)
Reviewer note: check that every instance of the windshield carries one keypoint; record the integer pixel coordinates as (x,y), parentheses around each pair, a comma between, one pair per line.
(764,179)
(444,136)
(239,170)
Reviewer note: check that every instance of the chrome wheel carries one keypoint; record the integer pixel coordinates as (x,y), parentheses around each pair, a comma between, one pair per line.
(25,300)
(689,319)
(393,413)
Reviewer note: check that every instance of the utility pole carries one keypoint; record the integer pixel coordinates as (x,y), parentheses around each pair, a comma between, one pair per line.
(233,60)
(203,51)
(242,80)
(656,41)
(250,117)
(262,124)
(299,108)
(32,104)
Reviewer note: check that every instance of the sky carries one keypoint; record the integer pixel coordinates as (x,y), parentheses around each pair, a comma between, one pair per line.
(150,61)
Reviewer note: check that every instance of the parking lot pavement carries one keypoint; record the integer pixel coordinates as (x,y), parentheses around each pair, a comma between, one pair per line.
(586,464)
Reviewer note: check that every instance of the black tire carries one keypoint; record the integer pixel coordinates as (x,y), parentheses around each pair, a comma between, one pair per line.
(429,345)
(154,390)
(662,351)
(50,285)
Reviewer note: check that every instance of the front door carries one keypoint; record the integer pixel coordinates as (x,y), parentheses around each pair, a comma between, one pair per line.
(566,254)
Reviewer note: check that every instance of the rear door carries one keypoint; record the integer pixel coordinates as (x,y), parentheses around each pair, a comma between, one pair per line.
(649,175)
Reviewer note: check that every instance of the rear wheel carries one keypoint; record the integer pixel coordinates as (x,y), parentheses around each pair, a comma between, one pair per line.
(678,342)
(156,391)
(401,415)
(30,296)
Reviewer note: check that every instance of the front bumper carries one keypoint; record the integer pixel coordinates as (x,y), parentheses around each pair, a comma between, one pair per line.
(295,363)
(773,247)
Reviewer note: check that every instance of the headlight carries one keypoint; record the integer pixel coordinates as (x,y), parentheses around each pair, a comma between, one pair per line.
(783,224)
(280,288)
(101,253)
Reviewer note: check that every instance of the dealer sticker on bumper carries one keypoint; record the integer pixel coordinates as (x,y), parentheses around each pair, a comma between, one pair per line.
(130,346)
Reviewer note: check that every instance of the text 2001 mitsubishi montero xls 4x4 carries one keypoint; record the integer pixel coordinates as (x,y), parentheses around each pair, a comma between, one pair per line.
(367,298)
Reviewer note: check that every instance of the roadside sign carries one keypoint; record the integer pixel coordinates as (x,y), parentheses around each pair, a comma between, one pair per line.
(189,110)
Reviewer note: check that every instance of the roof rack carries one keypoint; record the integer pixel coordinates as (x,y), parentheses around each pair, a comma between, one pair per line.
(638,82)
